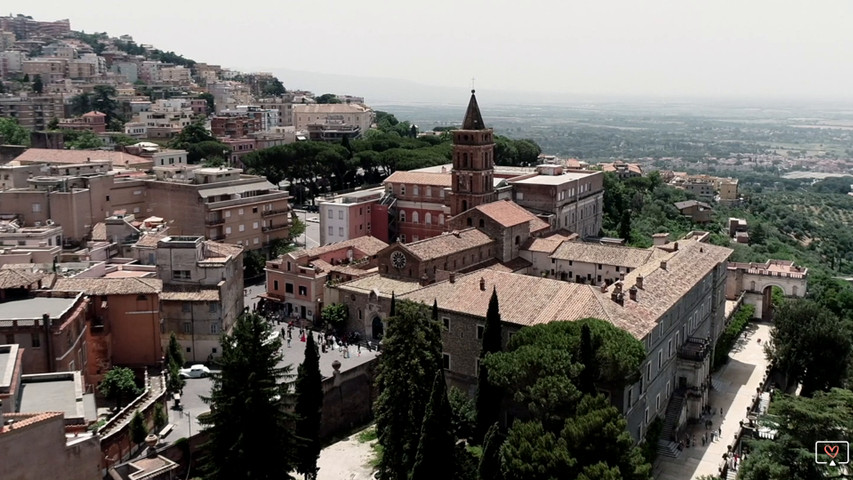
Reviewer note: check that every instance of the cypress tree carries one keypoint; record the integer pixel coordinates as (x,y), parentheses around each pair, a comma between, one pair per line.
(489,396)
(490,462)
(249,426)
(393,305)
(586,379)
(137,428)
(435,457)
(309,403)
(435,310)
(411,353)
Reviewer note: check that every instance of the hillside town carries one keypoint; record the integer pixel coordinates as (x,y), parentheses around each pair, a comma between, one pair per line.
(120,250)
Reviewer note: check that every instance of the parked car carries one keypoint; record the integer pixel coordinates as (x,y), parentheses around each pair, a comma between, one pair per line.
(195,371)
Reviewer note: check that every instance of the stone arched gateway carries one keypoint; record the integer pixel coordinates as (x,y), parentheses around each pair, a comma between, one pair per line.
(756,281)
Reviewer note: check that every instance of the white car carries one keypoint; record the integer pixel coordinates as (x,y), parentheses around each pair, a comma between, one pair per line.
(195,371)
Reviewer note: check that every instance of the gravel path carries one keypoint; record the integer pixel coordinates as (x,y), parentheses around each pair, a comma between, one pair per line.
(346,460)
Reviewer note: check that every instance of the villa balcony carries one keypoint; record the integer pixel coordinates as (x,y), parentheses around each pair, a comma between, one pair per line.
(214,222)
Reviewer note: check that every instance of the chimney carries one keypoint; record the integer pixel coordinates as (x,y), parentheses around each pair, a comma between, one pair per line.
(617,297)
(603,287)
(424,280)
(675,246)
(639,281)
(482,284)
(621,277)
(452,277)
(663,264)
(632,293)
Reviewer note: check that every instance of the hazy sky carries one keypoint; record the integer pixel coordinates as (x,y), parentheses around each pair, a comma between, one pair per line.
(660,48)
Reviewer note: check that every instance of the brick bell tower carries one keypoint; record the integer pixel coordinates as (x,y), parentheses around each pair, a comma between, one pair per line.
(473,162)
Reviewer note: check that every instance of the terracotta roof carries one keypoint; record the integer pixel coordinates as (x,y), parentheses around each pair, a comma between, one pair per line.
(382,286)
(110,286)
(603,254)
(544,245)
(366,244)
(24,420)
(662,288)
(524,300)
(189,293)
(18,278)
(99,232)
(149,240)
(528,300)
(691,203)
(515,265)
(420,178)
(448,243)
(216,249)
(49,155)
(507,213)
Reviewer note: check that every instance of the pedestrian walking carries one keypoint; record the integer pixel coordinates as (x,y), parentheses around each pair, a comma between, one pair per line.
(694,439)
(288,342)
(721,411)
(359,349)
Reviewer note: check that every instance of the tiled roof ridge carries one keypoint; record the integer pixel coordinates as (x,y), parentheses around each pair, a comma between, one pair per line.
(366,241)
(26,420)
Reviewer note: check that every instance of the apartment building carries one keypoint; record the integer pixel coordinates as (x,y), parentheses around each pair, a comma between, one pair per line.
(202,292)
(221,204)
(123,325)
(169,157)
(11,62)
(34,244)
(49,69)
(674,304)
(52,329)
(24,27)
(284,107)
(296,280)
(237,124)
(178,74)
(340,114)
(567,200)
(351,215)
(417,202)
(33,112)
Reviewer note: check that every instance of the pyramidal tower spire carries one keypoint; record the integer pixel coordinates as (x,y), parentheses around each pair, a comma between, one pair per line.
(473,119)
(472,176)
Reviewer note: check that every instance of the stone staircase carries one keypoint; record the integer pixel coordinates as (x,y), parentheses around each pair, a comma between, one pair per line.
(666,446)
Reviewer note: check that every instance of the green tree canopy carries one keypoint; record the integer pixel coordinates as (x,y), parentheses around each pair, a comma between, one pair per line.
(800,422)
(805,340)
(335,315)
(119,384)
(435,454)
(81,139)
(327,98)
(411,354)
(38,84)
(249,427)
(593,443)
(12,133)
